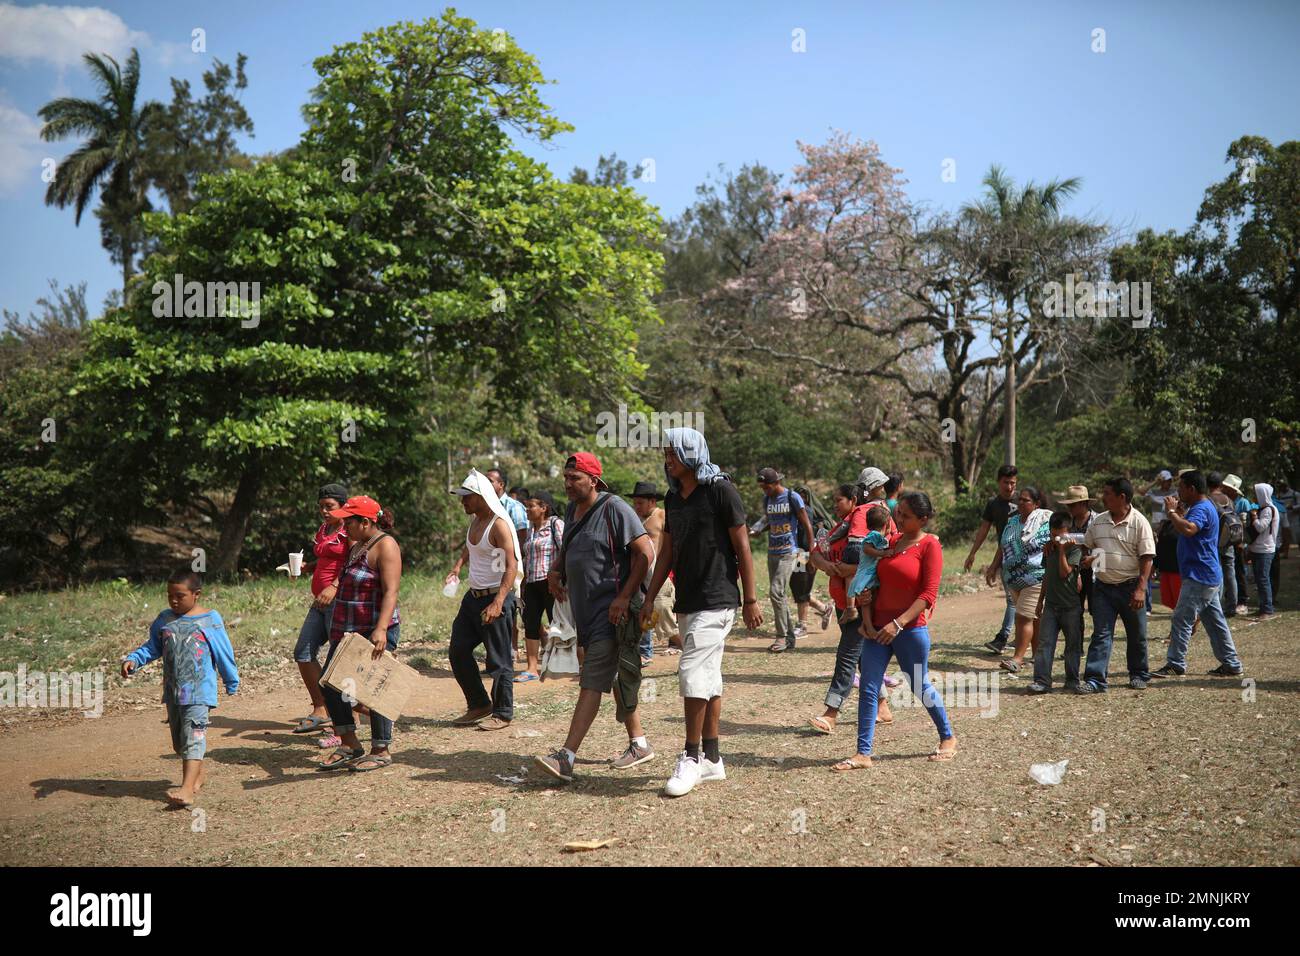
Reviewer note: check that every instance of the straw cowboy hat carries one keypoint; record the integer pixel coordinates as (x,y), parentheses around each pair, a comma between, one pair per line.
(1072,495)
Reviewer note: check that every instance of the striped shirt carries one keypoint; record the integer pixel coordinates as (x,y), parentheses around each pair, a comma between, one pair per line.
(541,548)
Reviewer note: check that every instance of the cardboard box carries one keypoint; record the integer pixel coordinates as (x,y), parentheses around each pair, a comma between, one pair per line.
(383,685)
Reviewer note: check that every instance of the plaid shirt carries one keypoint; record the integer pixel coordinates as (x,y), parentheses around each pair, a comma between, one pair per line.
(357,602)
(541,548)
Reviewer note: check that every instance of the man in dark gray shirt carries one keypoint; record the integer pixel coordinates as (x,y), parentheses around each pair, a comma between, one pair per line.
(602,566)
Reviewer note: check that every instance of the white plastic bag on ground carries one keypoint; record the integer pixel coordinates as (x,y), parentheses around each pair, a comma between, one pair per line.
(561,655)
(1049,774)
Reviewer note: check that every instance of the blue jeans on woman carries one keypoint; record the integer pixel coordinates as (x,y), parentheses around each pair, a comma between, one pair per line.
(381,728)
(912,645)
(1263,563)
(846,665)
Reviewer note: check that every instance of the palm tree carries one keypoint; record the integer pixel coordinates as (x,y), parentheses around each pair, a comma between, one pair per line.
(1022,227)
(110,159)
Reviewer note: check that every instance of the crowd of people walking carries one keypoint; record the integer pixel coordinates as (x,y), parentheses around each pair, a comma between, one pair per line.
(675,567)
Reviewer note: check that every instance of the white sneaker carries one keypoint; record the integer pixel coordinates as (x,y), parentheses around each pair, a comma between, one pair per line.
(684,778)
(710,770)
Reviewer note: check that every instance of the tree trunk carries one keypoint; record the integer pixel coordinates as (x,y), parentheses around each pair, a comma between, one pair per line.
(1011,381)
(235,527)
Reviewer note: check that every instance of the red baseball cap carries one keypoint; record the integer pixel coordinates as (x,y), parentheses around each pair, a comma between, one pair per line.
(588,464)
(359,507)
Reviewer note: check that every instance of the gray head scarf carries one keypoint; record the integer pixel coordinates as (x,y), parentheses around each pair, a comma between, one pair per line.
(693,451)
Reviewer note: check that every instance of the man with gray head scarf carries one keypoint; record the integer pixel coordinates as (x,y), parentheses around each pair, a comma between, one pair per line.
(706,545)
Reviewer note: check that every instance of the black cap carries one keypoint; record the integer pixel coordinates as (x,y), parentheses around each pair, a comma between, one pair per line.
(645,489)
(334,490)
(769,476)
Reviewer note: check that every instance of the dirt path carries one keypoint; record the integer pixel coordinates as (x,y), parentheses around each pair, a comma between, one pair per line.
(1193,772)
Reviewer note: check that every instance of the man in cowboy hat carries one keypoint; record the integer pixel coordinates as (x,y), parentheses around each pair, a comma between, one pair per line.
(1078,502)
(1232,488)
(645,502)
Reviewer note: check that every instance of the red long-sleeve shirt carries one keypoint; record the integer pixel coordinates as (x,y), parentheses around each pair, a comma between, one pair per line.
(906,576)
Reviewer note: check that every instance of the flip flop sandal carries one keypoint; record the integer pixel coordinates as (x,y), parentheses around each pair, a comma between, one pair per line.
(672,651)
(525,677)
(822,725)
(844,766)
(379,760)
(940,755)
(350,757)
(333,740)
(884,720)
(309,725)
(777,647)
(1009,665)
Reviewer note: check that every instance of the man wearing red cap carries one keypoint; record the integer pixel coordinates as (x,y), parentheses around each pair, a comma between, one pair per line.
(603,562)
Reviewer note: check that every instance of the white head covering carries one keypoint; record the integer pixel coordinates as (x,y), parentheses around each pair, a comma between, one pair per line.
(1033,523)
(481,485)
(1264,497)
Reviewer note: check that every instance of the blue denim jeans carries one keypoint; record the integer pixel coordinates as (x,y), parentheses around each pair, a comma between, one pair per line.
(1008,619)
(1110,602)
(846,665)
(1200,600)
(313,635)
(381,728)
(1228,590)
(1263,563)
(912,646)
(647,645)
(1052,623)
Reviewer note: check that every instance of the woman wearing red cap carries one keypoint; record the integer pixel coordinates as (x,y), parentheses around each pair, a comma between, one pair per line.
(366,604)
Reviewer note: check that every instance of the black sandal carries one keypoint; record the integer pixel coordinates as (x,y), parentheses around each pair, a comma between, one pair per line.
(351,757)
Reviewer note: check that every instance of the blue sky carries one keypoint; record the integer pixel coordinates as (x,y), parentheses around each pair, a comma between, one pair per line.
(691,85)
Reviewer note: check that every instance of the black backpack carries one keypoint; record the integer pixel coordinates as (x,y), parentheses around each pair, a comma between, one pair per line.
(1232,531)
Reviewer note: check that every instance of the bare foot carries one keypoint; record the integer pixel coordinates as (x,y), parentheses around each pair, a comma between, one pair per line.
(180,797)
(883,714)
(945,750)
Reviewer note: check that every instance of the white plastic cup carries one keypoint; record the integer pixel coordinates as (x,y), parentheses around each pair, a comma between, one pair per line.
(295,564)
(449,589)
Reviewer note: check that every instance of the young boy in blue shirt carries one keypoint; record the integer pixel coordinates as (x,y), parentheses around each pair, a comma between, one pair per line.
(194,646)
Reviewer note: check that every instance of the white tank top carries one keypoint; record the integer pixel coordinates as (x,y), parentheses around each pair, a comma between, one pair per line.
(482,557)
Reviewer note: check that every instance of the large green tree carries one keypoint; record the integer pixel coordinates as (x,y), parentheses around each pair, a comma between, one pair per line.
(407,256)
(1219,358)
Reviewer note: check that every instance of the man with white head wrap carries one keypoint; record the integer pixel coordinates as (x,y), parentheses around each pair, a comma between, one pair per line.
(706,545)
(492,550)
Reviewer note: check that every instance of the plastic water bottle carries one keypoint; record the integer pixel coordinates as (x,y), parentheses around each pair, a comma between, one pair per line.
(449,589)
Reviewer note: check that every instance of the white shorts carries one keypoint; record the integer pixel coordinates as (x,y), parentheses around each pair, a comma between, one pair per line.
(704,633)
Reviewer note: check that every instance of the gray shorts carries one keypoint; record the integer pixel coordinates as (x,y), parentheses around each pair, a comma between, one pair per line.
(189,724)
(599,666)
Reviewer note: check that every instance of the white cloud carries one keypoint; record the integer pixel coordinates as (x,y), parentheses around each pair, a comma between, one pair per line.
(21,151)
(60,35)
